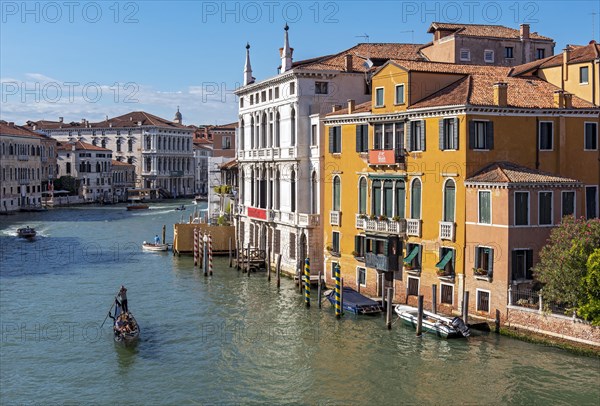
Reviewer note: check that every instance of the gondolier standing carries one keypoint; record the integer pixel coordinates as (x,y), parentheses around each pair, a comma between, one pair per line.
(122,298)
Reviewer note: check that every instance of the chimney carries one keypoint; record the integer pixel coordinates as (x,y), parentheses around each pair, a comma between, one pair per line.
(335,107)
(524,31)
(61,119)
(11,123)
(348,64)
(139,123)
(566,57)
(130,118)
(559,99)
(501,94)
(83,121)
(350,106)
(568,97)
(110,125)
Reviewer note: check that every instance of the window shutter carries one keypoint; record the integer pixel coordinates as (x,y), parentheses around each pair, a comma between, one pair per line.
(471,134)
(331,139)
(420,256)
(514,265)
(357,243)
(489,134)
(407,143)
(529,264)
(476,257)
(422,135)
(386,248)
(441,134)
(359,146)
(491,267)
(455,133)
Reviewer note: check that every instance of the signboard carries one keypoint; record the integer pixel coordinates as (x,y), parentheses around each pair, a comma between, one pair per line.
(260,214)
(383,157)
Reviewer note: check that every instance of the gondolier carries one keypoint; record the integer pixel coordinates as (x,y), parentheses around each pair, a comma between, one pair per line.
(122,298)
(156,239)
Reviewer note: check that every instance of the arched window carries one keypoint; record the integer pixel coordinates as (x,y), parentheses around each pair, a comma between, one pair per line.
(376,198)
(400,193)
(257,133)
(277,190)
(362,195)
(277,129)
(98,168)
(263,131)
(242,133)
(270,136)
(293,191)
(293,128)
(449,200)
(314,207)
(159,142)
(252,187)
(148,142)
(130,145)
(251,132)
(336,193)
(103,143)
(415,199)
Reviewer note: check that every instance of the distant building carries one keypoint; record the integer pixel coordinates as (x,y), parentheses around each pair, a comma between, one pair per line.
(203,150)
(123,175)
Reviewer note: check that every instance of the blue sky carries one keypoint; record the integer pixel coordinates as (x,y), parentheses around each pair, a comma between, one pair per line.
(88,59)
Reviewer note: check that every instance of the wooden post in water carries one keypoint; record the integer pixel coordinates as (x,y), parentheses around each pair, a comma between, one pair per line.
(200,250)
(382,289)
(465,309)
(230,254)
(497,321)
(434,298)
(248,260)
(210,255)
(341,296)
(319,289)
(420,316)
(205,254)
(164,234)
(269,264)
(196,248)
(278,271)
(388,310)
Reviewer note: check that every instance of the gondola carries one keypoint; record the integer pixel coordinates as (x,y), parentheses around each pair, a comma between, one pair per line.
(125,328)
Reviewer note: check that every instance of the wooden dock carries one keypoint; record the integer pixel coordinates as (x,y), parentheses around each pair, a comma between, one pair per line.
(183,237)
(251,259)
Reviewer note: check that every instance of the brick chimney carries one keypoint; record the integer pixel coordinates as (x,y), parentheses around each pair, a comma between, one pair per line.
(350,106)
(348,63)
(501,94)
(568,97)
(524,31)
(335,107)
(61,119)
(559,99)
(566,57)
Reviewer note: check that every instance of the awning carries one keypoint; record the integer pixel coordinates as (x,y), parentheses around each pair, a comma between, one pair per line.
(447,258)
(385,176)
(412,255)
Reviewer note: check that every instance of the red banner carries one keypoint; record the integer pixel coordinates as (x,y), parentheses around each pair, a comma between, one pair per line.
(260,214)
(384,157)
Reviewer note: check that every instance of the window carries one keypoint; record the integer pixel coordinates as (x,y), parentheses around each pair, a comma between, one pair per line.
(313,134)
(251,99)
(522,264)
(485,207)
(336,193)
(400,94)
(521,208)
(241,102)
(226,142)
(321,88)
(376,198)
(545,134)
(379,97)
(130,145)
(590,136)
(445,265)
(335,140)
(333,266)
(540,53)
(545,208)
(484,259)
(335,242)
(263,96)
(400,198)
(361,276)
(270,94)
(68,168)
(481,135)
(449,200)
(293,191)
(415,200)
(292,246)
(378,137)
(448,133)
(277,92)
(488,56)
(483,301)
(416,137)
(362,138)
(508,52)
(412,288)
(292,88)
(568,203)
(446,294)
(362,195)
(118,145)
(388,199)
(583,75)
(591,201)
(465,54)
(359,246)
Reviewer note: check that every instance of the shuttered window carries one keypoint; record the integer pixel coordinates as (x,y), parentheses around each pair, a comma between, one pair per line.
(336,193)
(568,203)
(522,264)
(545,208)
(362,138)
(388,198)
(521,208)
(481,135)
(400,198)
(485,213)
(448,134)
(415,200)
(362,196)
(335,140)
(449,199)
(416,136)
(376,200)
(545,134)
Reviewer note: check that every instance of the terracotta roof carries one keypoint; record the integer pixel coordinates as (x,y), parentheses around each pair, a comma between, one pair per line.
(128,120)
(202,142)
(229,164)
(579,54)
(119,163)
(483,30)
(508,172)
(12,129)
(378,53)
(79,145)
(455,94)
(359,108)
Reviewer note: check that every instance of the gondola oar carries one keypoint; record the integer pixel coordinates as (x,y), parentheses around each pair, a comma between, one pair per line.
(111,306)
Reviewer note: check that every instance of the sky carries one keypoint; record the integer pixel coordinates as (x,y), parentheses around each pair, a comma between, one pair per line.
(91,59)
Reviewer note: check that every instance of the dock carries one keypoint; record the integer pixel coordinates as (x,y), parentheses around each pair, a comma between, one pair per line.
(183,237)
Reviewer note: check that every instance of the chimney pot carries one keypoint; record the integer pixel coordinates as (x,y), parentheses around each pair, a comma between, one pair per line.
(335,107)
(348,64)
(524,31)
(568,97)
(11,123)
(501,94)
(350,106)
(559,99)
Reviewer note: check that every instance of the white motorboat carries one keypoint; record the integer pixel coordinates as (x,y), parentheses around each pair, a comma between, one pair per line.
(148,246)
(445,327)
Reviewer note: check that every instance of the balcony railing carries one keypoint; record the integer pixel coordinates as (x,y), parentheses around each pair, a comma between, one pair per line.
(385,225)
(23,157)
(446,230)
(23,181)
(379,262)
(308,220)
(413,227)
(335,217)
(385,157)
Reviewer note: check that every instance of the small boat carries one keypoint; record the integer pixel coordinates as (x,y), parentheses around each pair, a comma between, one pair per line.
(199,198)
(137,206)
(26,232)
(182,207)
(441,326)
(354,302)
(148,246)
(33,209)
(125,328)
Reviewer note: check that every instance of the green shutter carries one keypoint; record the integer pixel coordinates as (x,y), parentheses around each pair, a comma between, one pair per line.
(422,135)
(491,259)
(331,138)
(455,133)
(407,143)
(359,146)
(489,134)
(441,134)
(471,134)
(476,265)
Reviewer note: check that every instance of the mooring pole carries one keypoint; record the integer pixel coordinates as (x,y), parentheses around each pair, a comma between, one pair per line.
(210,255)
(230,254)
(319,289)
(196,247)
(342,296)
(269,264)
(466,307)
(164,234)
(388,311)
(278,271)
(307,282)
(420,316)
(497,321)
(337,291)
(205,254)
(382,289)
(434,298)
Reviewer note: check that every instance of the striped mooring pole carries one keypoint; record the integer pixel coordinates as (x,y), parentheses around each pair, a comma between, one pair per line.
(210,255)
(337,304)
(200,250)
(307,282)
(195,247)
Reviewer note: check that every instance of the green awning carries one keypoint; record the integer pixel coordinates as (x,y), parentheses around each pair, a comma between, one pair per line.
(412,255)
(385,176)
(447,258)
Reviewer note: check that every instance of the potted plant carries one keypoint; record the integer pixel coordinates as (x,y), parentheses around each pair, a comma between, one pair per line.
(363,216)
(355,253)
(408,267)
(442,272)
(480,271)
(396,218)
(329,248)
(382,218)
(372,217)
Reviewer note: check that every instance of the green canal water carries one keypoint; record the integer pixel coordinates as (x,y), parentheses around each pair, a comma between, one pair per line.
(227,339)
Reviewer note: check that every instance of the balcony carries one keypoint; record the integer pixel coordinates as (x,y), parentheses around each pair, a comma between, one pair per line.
(413,227)
(308,220)
(447,229)
(386,157)
(335,218)
(44,159)
(23,181)
(23,157)
(256,213)
(384,225)
(379,262)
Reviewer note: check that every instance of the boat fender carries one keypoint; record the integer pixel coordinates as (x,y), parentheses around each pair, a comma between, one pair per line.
(460,325)
(144,242)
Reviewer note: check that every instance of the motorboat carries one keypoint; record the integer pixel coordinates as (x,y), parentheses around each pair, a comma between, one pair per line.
(441,326)
(137,206)
(354,302)
(148,246)
(26,232)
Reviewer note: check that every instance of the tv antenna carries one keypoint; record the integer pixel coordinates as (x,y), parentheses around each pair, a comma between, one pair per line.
(412,34)
(365,36)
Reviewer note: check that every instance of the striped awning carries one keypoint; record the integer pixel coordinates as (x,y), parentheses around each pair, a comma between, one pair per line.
(385,176)
(447,258)
(412,255)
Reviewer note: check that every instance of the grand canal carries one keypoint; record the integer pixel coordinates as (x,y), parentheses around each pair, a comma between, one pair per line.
(227,339)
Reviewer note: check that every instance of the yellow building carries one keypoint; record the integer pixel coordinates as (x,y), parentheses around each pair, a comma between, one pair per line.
(395,196)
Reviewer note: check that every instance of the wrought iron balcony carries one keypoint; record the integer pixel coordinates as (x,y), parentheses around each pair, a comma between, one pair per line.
(379,262)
